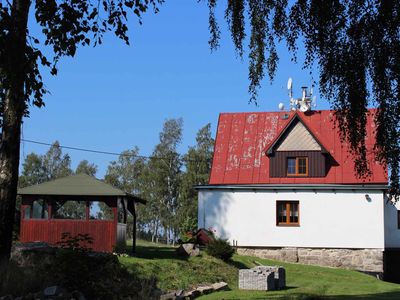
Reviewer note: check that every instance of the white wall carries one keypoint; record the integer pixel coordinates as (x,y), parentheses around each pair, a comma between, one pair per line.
(341,219)
(392,233)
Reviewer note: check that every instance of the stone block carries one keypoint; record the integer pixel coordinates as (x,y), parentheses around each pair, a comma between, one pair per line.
(169,296)
(289,254)
(219,286)
(255,279)
(188,249)
(54,291)
(185,296)
(205,289)
(279,275)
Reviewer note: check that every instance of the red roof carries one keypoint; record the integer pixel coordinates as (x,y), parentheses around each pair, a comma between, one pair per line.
(243,139)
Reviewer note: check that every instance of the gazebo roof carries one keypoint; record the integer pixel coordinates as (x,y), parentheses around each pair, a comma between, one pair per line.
(76,185)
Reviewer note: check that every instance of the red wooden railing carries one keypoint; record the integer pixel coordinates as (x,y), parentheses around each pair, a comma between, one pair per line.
(50,231)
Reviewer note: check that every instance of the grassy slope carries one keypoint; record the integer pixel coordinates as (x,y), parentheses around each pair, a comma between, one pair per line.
(302,281)
(174,272)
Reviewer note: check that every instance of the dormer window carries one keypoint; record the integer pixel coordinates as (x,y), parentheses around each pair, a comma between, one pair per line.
(297,166)
(296,152)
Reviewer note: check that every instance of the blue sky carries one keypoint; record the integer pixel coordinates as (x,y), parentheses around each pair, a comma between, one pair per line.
(113,97)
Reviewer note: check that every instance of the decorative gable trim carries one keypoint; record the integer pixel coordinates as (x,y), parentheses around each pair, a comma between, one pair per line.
(289,126)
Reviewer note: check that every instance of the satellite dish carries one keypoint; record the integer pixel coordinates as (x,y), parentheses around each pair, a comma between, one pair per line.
(289,83)
(304,107)
(281,106)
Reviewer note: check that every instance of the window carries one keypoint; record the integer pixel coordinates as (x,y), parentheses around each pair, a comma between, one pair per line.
(297,166)
(287,213)
(27,212)
(75,210)
(40,209)
(100,211)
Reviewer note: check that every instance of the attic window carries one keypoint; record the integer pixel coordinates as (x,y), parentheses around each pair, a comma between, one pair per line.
(297,166)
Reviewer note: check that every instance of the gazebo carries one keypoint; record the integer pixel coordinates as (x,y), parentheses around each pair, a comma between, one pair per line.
(77,204)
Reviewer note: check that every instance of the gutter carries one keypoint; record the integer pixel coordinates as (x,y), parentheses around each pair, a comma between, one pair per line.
(344,187)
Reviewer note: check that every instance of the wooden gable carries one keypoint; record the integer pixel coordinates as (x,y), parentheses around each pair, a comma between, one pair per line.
(298,138)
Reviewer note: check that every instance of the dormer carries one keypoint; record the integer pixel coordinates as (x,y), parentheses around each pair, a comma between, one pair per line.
(296,152)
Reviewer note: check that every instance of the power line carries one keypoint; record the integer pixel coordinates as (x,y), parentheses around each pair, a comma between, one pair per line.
(94,151)
(106,152)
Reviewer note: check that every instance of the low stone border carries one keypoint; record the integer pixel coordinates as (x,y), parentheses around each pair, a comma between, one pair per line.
(196,292)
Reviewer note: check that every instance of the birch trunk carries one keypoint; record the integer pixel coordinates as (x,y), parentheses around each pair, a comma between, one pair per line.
(13,105)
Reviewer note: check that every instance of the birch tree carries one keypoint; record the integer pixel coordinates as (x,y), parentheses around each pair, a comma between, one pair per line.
(197,166)
(162,179)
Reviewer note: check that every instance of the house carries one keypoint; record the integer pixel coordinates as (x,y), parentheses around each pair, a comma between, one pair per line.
(77,204)
(283,186)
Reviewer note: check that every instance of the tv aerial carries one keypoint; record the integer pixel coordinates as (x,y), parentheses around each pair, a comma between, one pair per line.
(290,87)
(304,103)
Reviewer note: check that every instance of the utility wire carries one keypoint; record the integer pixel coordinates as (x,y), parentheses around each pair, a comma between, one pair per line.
(91,150)
(97,151)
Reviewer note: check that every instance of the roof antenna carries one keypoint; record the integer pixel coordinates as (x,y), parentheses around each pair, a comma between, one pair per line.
(313,98)
(305,102)
(290,87)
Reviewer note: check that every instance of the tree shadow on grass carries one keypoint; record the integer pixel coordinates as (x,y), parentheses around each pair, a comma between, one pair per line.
(237,264)
(301,296)
(157,252)
(386,295)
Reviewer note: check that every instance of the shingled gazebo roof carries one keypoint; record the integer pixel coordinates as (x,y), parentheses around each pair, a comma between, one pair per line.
(77,185)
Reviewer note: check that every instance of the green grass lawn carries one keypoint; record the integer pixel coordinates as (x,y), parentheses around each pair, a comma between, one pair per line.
(174,272)
(303,282)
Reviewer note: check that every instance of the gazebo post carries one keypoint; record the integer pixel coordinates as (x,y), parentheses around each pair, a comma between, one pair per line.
(87,211)
(50,208)
(134,230)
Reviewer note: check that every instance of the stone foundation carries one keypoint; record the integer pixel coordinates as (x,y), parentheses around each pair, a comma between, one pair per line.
(365,260)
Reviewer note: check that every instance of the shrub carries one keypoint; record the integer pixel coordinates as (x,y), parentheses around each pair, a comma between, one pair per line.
(220,249)
(205,236)
(80,242)
(187,237)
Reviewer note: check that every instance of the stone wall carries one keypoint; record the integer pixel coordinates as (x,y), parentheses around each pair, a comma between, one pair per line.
(366,260)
